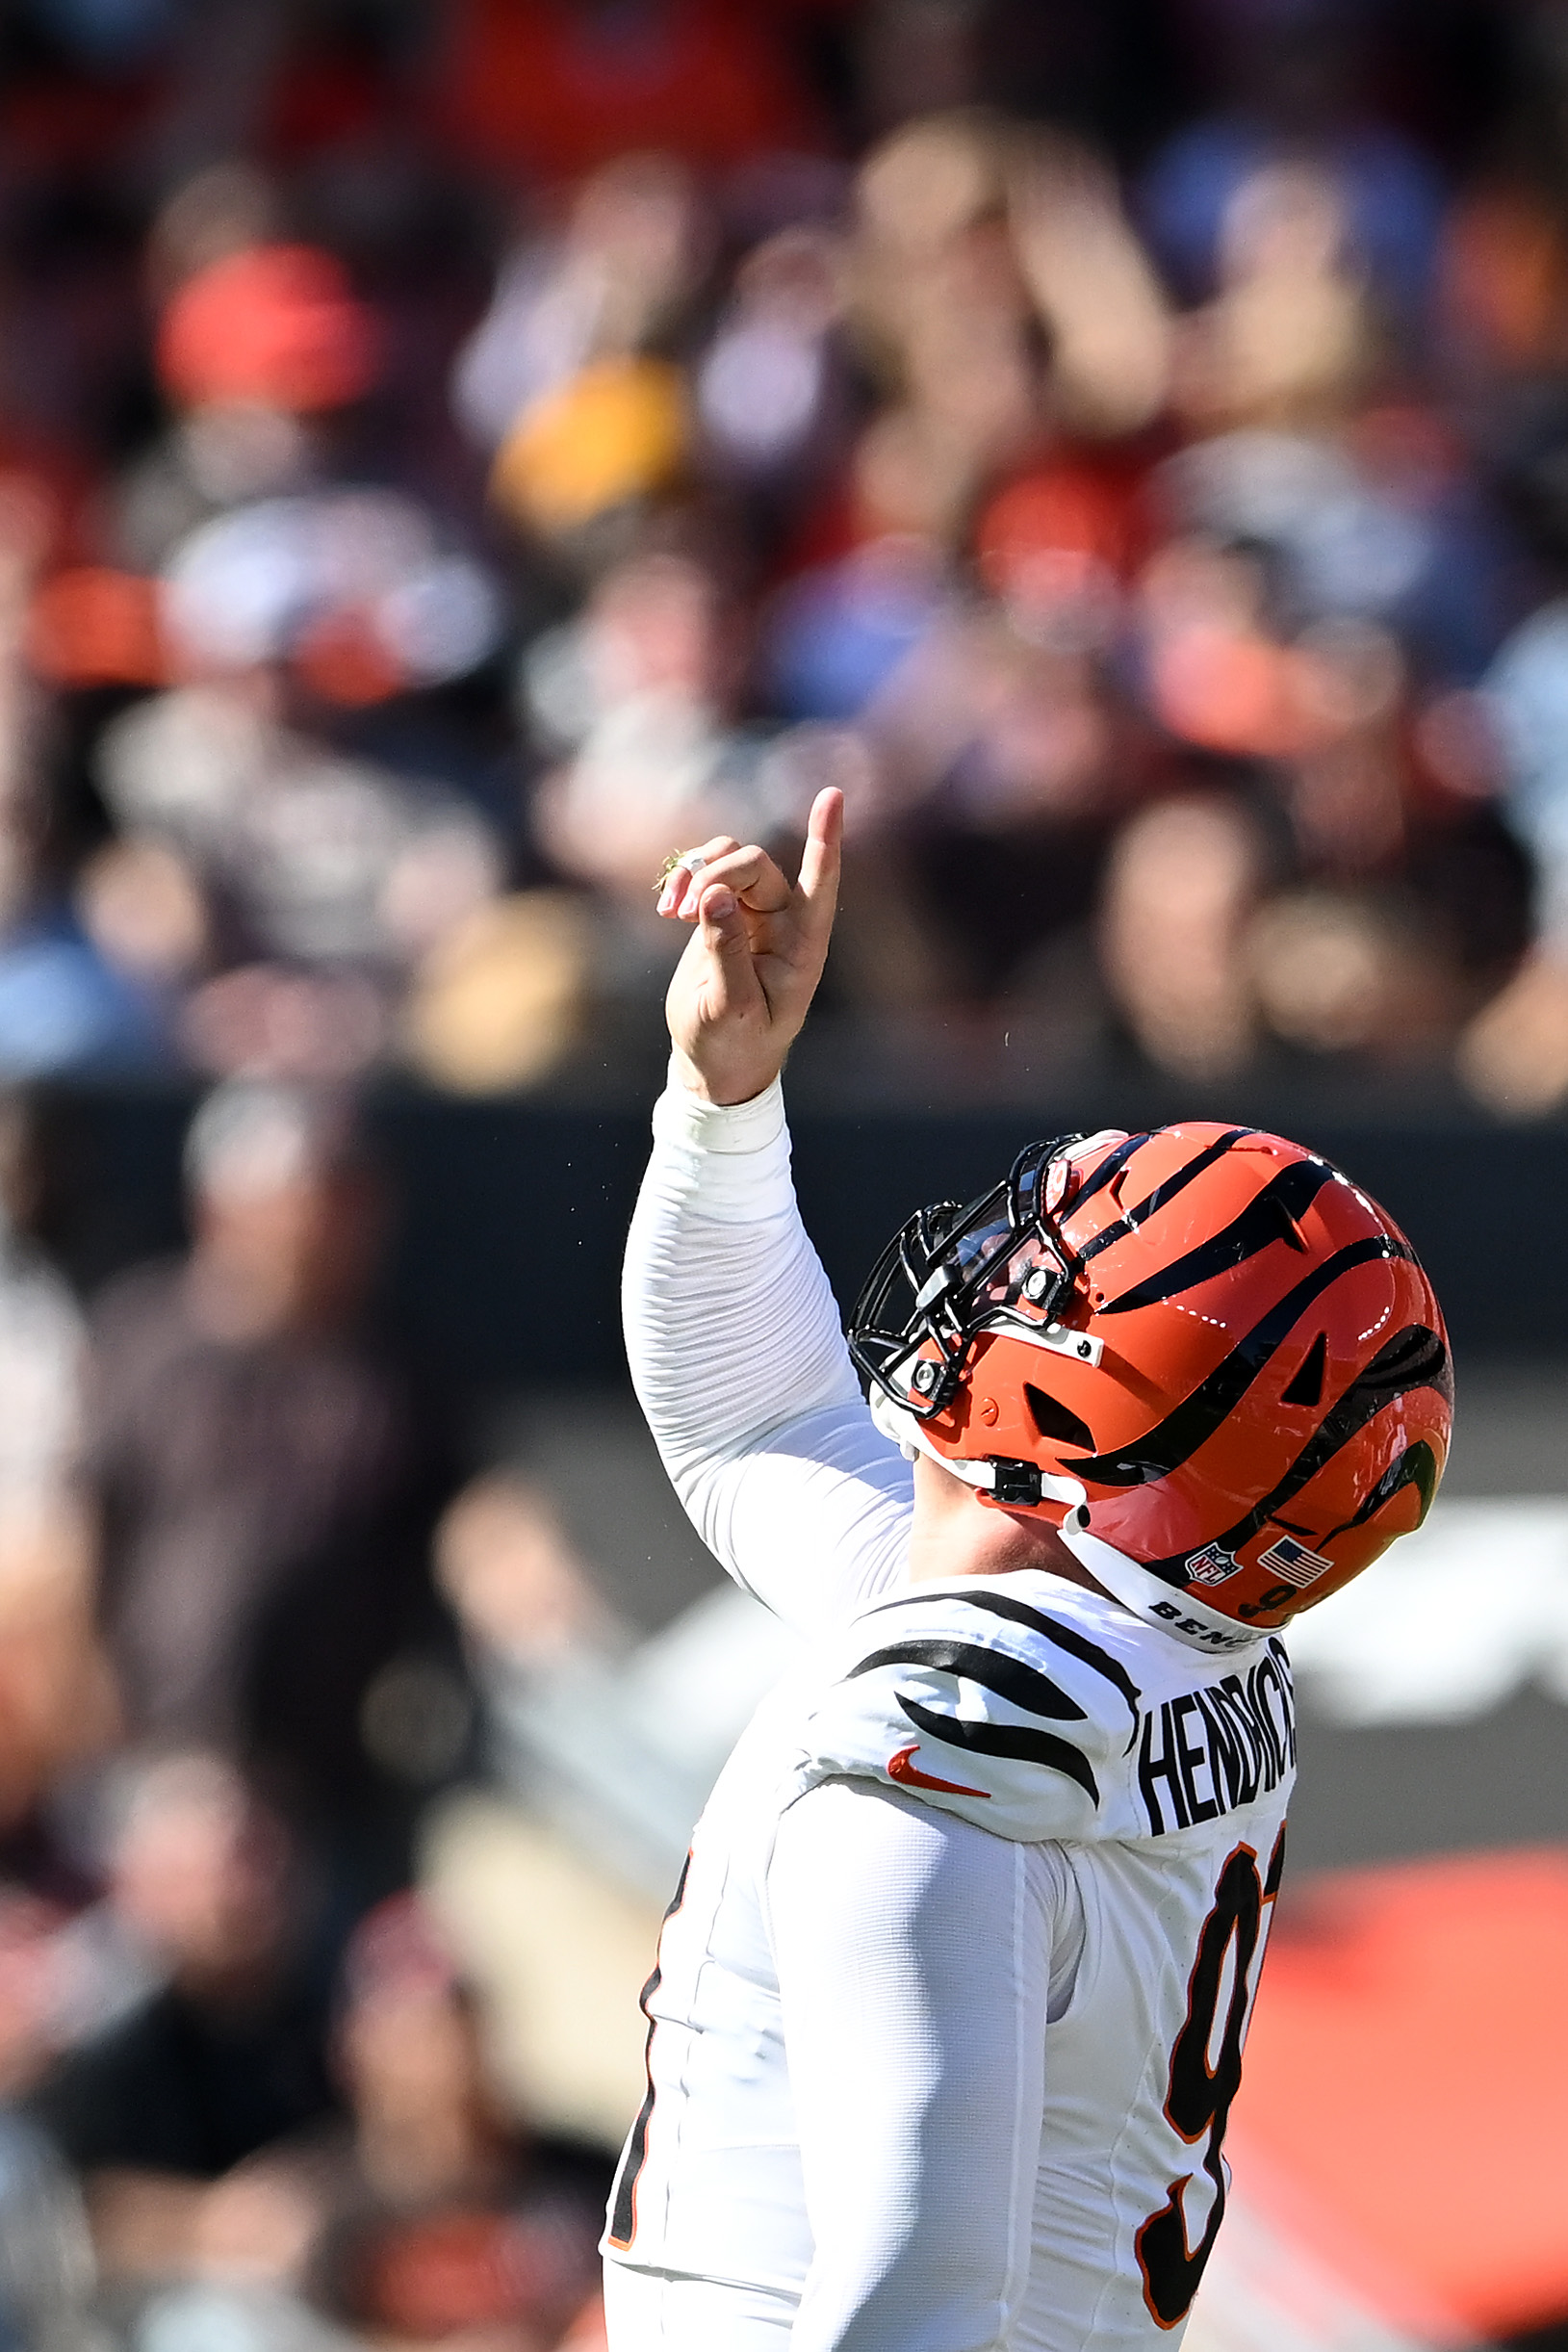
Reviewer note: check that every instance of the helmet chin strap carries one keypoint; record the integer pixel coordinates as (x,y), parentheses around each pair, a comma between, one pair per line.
(1177,1613)
(907,1434)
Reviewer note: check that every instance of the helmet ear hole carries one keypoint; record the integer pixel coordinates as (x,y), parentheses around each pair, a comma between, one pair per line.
(1053,1420)
(1306,1388)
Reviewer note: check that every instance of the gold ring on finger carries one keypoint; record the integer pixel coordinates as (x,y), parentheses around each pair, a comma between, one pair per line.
(690,860)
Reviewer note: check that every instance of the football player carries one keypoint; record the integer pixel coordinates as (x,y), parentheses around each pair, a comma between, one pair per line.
(949,2005)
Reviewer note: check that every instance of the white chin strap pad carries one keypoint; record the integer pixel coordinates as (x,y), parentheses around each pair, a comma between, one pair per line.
(907,1432)
(901,1425)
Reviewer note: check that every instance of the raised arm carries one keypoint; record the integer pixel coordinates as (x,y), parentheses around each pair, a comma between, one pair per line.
(732,1330)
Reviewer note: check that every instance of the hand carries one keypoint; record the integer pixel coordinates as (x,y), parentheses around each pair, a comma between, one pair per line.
(745,984)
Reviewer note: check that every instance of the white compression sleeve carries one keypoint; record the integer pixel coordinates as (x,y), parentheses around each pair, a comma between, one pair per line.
(740,1366)
(916,1965)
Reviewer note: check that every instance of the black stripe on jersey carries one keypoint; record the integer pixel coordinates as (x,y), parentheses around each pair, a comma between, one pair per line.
(1019,1612)
(623,2224)
(1022,1685)
(1005,1740)
(1276,1867)
(1195,1420)
(1164,1191)
(1413,1359)
(1269,1217)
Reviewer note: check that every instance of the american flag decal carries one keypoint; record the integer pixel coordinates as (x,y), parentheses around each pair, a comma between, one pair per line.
(1294,1561)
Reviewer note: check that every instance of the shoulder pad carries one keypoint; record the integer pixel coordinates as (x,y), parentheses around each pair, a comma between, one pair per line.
(984,1705)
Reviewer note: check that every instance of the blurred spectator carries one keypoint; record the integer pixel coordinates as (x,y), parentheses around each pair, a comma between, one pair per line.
(772,390)
(839,630)
(1289,337)
(760,464)
(1515,1056)
(642,687)
(615,1747)
(227,2051)
(261,345)
(251,842)
(615,278)
(315,876)
(1185,872)
(941,306)
(437,2210)
(62,1004)
(1297,90)
(266,1485)
(57,1702)
(997,745)
(429,2213)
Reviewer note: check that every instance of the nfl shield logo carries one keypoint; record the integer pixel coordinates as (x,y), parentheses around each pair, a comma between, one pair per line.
(1211,1566)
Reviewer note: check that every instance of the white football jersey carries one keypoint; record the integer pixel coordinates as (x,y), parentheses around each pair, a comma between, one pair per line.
(948,2009)
(1040,1713)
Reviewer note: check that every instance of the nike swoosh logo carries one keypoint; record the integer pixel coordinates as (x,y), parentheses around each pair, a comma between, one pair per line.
(901,1770)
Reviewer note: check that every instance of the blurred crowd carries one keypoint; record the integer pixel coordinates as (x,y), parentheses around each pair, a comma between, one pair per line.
(455,453)
(452,454)
(251,1621)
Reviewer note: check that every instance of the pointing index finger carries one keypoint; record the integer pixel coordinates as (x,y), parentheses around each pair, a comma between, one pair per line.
(820,861)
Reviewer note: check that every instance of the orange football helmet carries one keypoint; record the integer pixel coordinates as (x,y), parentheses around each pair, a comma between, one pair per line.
(1202,1353)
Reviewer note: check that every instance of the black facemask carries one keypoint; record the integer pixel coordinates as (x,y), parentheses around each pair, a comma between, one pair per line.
(953,1271)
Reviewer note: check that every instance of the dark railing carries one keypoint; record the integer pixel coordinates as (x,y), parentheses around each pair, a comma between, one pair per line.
(512,1215)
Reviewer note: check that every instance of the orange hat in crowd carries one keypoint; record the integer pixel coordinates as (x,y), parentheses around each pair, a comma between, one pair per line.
(277,323)
(614,433)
